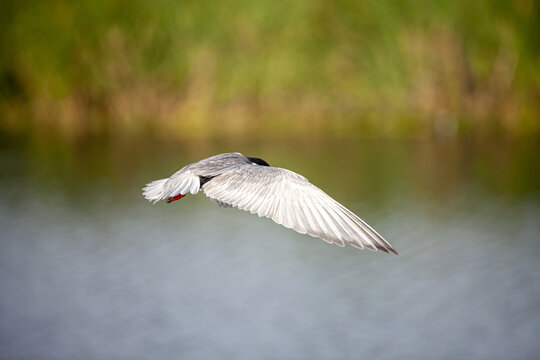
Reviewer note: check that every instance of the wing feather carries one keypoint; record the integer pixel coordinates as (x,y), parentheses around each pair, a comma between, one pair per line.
(182,182)
(291,200)
(308,217)
(299,216)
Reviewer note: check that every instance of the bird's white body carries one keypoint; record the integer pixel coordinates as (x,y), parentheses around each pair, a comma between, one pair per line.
(289,199)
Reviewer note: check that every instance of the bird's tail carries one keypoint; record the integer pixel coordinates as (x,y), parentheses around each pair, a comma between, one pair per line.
(155,190)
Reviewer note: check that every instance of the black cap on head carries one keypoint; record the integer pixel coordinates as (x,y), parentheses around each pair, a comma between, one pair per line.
(258,161)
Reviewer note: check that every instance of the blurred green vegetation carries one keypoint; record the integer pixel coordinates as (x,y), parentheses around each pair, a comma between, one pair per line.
(195,69)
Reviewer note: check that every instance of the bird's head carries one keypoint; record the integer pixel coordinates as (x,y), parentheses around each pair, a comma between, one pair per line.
(258,161)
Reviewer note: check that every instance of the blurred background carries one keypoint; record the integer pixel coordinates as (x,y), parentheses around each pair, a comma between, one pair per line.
(422,117)
(186,69)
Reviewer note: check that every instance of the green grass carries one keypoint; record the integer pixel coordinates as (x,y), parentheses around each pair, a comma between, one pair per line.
(209,69)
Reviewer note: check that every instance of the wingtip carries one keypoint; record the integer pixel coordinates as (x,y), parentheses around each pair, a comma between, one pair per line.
(387,249)
(153,191)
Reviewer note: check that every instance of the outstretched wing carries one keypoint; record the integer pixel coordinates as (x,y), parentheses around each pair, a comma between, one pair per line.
(182,182)
(291,200)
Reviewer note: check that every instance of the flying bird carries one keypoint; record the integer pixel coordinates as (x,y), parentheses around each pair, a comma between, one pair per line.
(289,199)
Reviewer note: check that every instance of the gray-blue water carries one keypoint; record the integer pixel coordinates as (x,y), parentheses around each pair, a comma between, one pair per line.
(90,270)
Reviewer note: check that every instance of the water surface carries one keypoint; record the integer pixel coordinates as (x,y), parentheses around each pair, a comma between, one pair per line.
(90,270)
